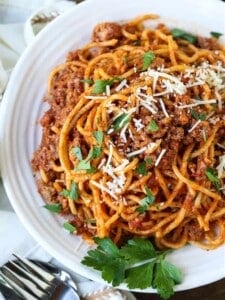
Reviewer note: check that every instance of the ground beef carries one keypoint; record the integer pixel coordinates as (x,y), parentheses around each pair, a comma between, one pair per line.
(106,31)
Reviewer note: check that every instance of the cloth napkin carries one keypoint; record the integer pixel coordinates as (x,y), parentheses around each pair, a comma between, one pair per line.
(15,33)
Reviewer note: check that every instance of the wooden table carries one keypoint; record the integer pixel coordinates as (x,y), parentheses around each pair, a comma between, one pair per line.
(214,291)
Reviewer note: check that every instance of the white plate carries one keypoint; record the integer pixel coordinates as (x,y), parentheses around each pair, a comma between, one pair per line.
(22,107)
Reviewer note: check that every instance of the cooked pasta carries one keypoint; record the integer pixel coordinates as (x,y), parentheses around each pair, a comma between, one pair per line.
(133,141)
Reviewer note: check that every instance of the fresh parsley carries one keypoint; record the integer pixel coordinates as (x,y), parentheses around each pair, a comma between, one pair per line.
(181,34)
(73,193)
(198,116)
(54,207)
(146,202)
(69,227)
(148,58)
(99,86)
(216,34)
(211,174)
(137,263)
(142,167)
(76,151)
(121,121)
(87,80)
(153,126)
(99,136)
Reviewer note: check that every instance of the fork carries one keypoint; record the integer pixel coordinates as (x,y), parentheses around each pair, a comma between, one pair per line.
(32,280)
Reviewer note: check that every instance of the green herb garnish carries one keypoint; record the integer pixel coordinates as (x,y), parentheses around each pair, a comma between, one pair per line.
(198,116)
(87,80)
(148,58)
(212,176)
(100,84)
(73,193)
(121,121)
(99,136)
(69,227)
(76,151)
(137,263)
(142,167)
(146,202)
(179,33)
(153,126)
(216,34)
(54,207)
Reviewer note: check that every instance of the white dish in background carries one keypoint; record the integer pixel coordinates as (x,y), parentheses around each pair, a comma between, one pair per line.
(22,107)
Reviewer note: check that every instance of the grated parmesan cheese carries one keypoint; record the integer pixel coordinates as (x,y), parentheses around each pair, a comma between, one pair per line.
(160,157)
(138,124)
(221,167)
(121,85)
(194,126)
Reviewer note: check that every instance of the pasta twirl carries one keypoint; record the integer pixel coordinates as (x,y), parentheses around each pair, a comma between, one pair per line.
(133,141)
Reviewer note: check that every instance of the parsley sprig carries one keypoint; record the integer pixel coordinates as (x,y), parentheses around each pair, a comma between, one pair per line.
(211,174)
(181,34)
(137,263)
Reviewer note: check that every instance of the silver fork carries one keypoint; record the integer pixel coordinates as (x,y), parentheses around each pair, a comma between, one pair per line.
(33,280)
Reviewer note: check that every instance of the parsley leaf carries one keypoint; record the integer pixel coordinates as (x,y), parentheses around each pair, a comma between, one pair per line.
(87,80)
(216,34)
(163,282)
(211,174)
(148,58)
(121,121)
(106,258)
(83,165)
(100,85)
(142,167)
(99,136)
(69,227)
(198,116)
(54,207)
(117,265)
(137,250)
(134,276)
(72,193)
(146,202)
(153,126)
(179,33)
(96,152)
(76,151)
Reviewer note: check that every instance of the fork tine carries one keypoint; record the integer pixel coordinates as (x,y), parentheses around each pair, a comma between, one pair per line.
(21,292)
(37,281)
(45,275)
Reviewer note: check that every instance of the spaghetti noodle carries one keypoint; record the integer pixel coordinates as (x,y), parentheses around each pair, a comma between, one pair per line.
(133,141)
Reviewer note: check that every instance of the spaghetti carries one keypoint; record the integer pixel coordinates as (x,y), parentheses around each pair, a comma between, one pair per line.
(133,141)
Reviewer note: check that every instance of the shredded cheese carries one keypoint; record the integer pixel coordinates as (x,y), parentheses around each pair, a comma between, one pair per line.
(194,126)
(221,167)
(160,157)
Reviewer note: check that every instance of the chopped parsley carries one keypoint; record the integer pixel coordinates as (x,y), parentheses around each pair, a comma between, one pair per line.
(215,34)
(99,136)
(128,264)
(54,207)
(142,167)
(179,33)
(87,80)
(73,193)
(153,126)
(198,116)
(76,151)
(69,227)
(121,121)
(148,58)
(99,86)
(146,202)
(211,174)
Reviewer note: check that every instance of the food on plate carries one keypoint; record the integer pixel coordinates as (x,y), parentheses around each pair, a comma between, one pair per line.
(133,140)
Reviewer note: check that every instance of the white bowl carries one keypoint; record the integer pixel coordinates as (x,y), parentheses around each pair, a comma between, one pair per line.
(22,107)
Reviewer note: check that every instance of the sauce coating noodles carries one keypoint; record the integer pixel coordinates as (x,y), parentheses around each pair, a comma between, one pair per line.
(133,141)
